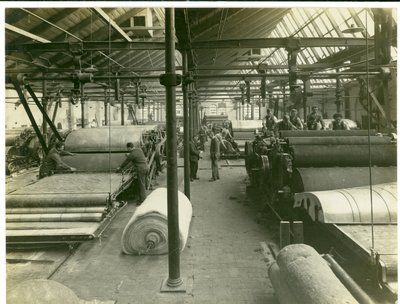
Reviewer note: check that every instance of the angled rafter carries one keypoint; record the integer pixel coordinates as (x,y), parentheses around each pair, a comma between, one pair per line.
(108,19)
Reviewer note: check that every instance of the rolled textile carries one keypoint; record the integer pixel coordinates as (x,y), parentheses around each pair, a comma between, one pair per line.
(310,133)
(343,155)
(339,140)
(56,210)
(147,230)
(55,217)
(310,278)
(282,290)
(319,179)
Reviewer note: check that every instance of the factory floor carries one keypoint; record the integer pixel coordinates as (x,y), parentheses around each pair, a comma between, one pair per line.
(222,261)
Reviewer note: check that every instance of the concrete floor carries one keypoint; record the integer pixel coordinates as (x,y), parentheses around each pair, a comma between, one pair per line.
(220,264)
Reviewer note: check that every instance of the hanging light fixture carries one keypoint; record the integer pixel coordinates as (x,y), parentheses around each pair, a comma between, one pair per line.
(353,29)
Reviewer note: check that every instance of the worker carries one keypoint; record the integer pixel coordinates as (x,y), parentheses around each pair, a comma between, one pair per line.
(338,123)
(215,154)
(296,120)
(285,124)
(314,120)
(203,136)
(53,162)
(270,120)
(194,158)
(139,161)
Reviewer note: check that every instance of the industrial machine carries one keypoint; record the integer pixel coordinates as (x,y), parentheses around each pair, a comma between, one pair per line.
(74,207)
(333,179)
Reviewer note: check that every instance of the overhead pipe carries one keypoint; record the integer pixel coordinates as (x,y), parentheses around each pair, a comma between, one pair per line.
(170,80)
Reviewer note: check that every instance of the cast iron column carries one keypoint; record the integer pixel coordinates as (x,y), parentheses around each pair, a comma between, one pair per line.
(170,81)
(191,112)
(306,89)
(44,104)
(105,108)
(122,110)
(338,94)
(186,135)
(82,107)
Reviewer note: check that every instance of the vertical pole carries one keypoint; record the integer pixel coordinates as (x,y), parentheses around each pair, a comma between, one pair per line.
(82,107)
(105,108)
(191,113)
(306,82)
(122,110)
(44,103)
(174,279)
(186,135)
(252,110)
(338,95)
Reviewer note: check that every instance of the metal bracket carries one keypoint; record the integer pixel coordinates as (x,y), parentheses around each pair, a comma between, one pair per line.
(188,78)
(292,44)
(170,79)
(76,49)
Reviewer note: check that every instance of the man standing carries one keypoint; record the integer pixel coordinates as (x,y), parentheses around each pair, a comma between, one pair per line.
(270,120)
(295,120)
(214,155)
(314,120)
(194,158)
(53,162)
(338,123)
(285,124)
(139,161)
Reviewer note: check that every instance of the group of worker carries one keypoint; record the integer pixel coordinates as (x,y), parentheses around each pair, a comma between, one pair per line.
(292,121)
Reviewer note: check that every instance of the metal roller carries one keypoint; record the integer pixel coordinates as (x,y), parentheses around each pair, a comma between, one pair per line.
(50,225)
(351,205)
(104,139)
(319,133)
(319,179)
(338,140)
(343,155)
(95,162)
(56,210)
(55,217)
(56,199)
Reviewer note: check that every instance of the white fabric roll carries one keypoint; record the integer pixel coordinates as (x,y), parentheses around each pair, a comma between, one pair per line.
(149,225)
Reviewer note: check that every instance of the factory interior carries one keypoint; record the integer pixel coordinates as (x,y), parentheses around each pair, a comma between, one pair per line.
(170,152)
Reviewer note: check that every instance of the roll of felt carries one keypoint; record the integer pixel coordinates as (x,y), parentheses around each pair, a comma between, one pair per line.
(319,179)
(55,217)
(56,200)
(104,139)
(351,205)
(309,276)
(282,290)
(343,155)
(95,162)
(311,133)
(147,230)
(338,140)
(56,210)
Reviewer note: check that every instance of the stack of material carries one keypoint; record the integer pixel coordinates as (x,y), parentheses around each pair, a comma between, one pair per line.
(301,275)
(147,230)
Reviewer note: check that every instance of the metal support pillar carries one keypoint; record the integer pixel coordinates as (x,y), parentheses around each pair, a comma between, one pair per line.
(30,115)
(347,111)
(191,112)
(259,108)
(270,99)
(306,92)
(170,80)
(44,104)
(186,122)
(252,110)
(122,110)
(82,108)
(293,51)
(45,116)
(338,94)
(105,108)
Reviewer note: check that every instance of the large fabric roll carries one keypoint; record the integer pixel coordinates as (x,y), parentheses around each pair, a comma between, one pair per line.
(310,133)
(309,277)
(319,179)
(281,288)
(147,230)
(343,155)
(338,140)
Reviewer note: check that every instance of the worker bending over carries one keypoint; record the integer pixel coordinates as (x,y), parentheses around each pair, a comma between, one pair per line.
(314,120)
(296,120)
(270,121)
(139,161)
(52,161)
(338,123)
(285,124)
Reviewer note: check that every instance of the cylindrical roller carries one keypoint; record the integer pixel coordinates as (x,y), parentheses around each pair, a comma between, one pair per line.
(55,217)
(147,231)
(319,133)
(95,162)
(239,135)
(309,276)
(104,139)
(319,179)
(56,210)
(343,155)
(246,125)
(50,225)
(56,200)
(282,290)
(338,140)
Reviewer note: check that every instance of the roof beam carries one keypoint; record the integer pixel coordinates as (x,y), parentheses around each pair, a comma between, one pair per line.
(19,31)
(108,19)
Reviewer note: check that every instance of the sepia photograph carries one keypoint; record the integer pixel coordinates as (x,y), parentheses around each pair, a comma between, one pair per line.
(200,152)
